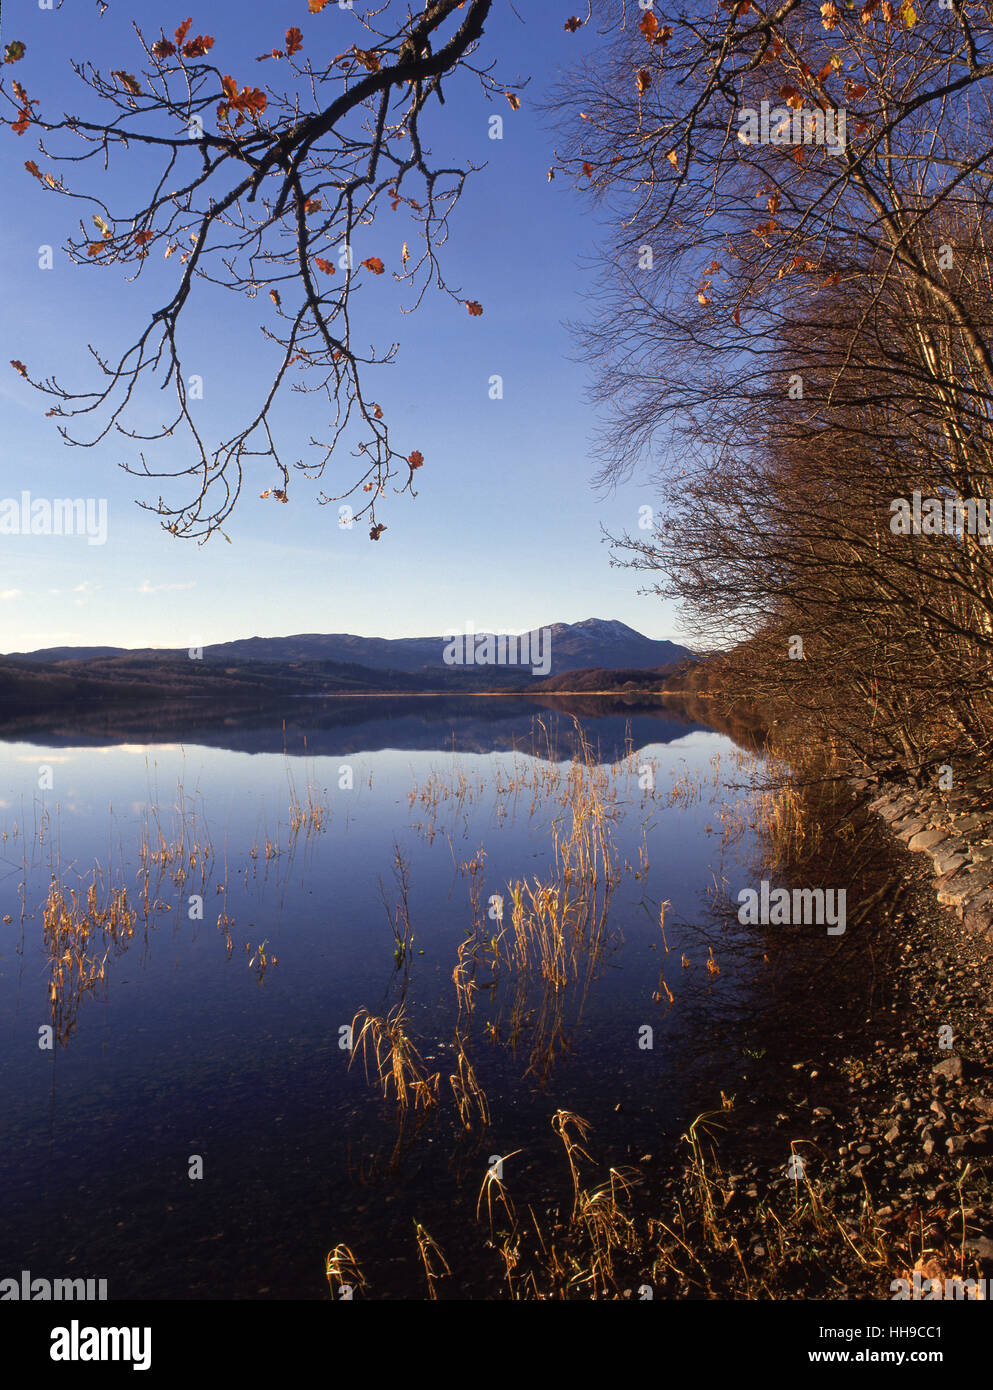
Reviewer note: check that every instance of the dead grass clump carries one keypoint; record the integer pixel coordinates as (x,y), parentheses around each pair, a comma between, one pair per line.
(398,1064)
(79,934)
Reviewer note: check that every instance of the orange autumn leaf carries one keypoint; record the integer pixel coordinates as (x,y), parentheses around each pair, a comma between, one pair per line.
(294,41)
(142,238)
(588,169)
(19,367)
(376,531)
(571,25)
(182,31)
(198,47)
(830,14)
(648,26)
(312,205)
(374,264)
(49,179)
(673,159)
(126,80)
(736,317)
(644,81)
(94,248)
(32,168)
(377,410)
(324,265)
(368,58)
(21,124)
(416,459)
(515,101)
(274,296)
(474,307)
(249,99)
(315,6)
(162,48)
(888,11)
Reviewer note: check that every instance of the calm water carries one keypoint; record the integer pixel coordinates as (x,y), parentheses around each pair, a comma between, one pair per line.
(186,1049)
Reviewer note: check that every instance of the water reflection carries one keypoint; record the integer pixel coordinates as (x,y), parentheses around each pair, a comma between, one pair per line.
(360,967)
(334,726)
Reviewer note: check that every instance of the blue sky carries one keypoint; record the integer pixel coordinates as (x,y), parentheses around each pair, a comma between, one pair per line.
(505,530)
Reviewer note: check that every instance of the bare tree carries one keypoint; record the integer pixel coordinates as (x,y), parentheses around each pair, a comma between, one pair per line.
(793,332)
(718,241)
(262,194)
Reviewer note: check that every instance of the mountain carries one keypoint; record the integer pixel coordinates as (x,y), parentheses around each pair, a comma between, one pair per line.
(52,654)
(259,673)
(592,643)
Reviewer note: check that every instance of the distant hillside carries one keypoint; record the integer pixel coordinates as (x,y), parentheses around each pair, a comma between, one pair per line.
(593,643)
(599,679)
(259,673)
(49,654)
(685,674)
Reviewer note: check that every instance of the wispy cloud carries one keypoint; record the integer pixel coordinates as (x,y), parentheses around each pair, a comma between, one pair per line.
(10,593)
(146,588)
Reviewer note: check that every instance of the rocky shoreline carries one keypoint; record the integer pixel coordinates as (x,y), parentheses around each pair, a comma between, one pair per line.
(954,829)
(876,1069)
